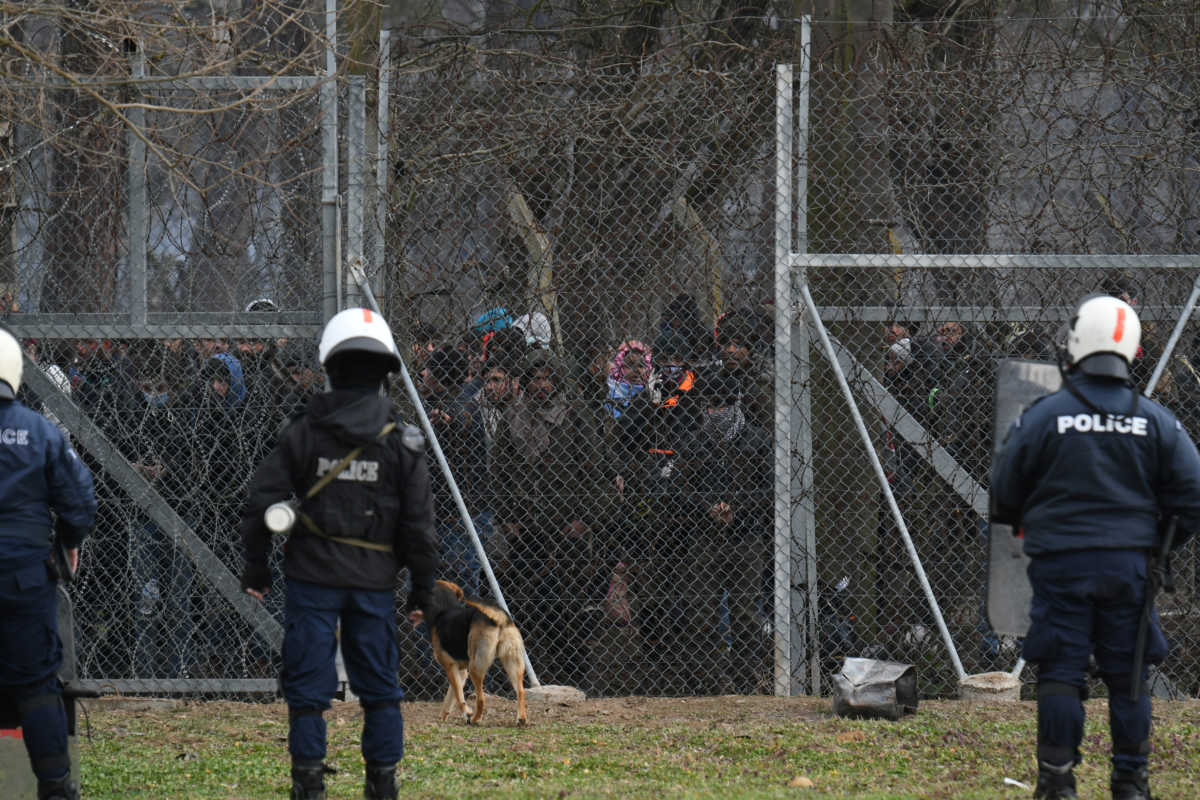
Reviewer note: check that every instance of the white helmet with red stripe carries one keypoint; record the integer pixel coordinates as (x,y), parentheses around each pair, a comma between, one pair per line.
(1104,326)
(10,365)
(358,330)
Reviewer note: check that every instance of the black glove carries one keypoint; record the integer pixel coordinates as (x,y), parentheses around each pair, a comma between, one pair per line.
(256,576)
(417,601)
(68,536)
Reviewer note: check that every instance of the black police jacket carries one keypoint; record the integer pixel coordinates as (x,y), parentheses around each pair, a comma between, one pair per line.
(1074,479)
(383,497)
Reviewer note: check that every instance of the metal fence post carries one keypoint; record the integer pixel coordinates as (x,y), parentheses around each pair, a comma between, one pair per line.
(377,274)
(329,170)
(356,169)
(804,525)
(137,211)
(783,380)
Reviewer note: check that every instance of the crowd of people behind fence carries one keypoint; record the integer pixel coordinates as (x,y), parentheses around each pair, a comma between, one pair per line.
(597,492)
(625,501)
(625,506)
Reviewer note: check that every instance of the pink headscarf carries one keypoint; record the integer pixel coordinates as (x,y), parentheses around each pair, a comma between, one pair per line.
(617,373)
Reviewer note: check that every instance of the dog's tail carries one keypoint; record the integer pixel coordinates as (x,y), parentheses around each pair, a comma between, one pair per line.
(510,647)
(495,614)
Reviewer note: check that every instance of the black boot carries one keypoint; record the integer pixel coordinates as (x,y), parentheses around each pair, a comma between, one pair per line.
(1055,782)
(308,780)
(381,782)
(1130,785)
(61,789)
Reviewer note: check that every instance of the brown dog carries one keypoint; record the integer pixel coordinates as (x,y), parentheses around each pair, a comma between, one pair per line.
(468,635)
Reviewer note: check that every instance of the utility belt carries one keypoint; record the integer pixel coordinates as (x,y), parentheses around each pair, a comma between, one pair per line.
(315,530)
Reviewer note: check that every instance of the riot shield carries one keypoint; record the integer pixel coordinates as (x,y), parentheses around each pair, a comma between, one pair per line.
(1018,383)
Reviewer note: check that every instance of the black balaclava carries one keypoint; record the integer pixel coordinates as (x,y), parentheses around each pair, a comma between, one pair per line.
(358,370)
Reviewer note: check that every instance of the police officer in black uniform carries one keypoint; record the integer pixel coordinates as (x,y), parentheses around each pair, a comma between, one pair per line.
(362,511)
(1090,474)
(38,472)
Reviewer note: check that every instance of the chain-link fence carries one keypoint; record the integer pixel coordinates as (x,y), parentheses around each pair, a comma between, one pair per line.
(608,332)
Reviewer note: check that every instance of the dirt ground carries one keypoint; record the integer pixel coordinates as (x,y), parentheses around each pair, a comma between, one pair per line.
(650,710)
(643,711)
(501,710)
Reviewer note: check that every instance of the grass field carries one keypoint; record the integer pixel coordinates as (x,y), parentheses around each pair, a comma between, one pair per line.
(719,747)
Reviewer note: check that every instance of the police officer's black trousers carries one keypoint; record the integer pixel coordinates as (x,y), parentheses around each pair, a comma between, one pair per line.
(1083,603)
(369,648)
(30,656)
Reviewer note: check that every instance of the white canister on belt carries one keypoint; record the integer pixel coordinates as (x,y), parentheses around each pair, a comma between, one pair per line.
(280,517)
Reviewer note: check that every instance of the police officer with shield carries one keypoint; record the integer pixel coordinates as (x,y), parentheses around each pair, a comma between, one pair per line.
(352,488)
(39,472)
(1091,474)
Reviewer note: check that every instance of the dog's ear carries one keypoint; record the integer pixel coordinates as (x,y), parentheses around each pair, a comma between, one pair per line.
(458,592)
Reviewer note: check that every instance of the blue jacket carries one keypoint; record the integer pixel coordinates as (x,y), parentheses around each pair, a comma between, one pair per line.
(39,471)
(1073,479)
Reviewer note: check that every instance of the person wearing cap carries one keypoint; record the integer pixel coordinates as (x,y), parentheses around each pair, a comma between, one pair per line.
(535,326)
(39,474)
(681,323)
(494,319)
(358,483)
(1092,476)
(908,374)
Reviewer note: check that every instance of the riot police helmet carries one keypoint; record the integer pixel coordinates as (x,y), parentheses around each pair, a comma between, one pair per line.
(1103,337)
(357,347)
(10,364)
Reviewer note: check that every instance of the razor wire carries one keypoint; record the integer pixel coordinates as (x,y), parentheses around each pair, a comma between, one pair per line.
(579,259)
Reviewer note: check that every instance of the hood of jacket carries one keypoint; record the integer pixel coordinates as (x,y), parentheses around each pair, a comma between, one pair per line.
(237,379)
(350,415)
